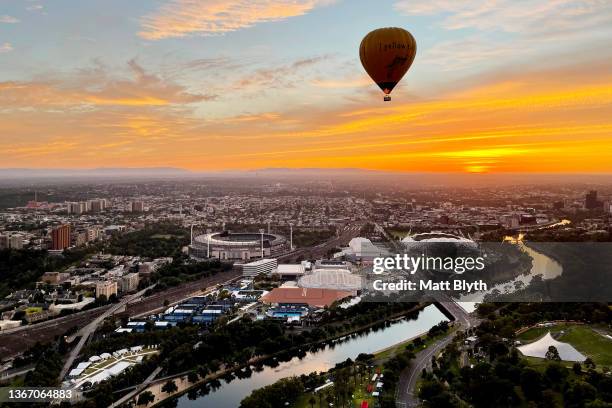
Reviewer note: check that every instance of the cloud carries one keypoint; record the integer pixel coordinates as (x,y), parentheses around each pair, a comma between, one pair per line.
(493,33)
(283,76)
(514,16)
(8,19)
(470,51)
(6,47)
(184,18)
(35,7)
(95,87)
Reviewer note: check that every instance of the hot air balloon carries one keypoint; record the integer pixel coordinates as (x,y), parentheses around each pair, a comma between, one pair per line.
(387,54)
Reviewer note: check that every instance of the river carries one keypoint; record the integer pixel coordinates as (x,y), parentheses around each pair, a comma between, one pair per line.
(230,395)
(541,265)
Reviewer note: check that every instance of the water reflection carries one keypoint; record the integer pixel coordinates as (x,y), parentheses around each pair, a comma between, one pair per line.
(230,395)
(542,265)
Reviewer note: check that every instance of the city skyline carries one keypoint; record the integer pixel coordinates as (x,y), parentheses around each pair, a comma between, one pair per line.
(235,85)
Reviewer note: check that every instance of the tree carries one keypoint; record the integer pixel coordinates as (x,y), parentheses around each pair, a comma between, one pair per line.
(192,377)
(145,398)
(589,363)
(531,383)
(169,387)
(312,400)
(577,368)
(553,354)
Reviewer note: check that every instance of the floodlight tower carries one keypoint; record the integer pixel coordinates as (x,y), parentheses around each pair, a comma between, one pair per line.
(261,231)
(208,242)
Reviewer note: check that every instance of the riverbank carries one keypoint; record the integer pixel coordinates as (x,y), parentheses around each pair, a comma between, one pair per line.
(185,386)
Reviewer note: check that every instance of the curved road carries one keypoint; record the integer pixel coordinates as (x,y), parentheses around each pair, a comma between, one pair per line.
(406,395)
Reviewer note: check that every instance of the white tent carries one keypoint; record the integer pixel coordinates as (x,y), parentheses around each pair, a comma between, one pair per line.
(567,352)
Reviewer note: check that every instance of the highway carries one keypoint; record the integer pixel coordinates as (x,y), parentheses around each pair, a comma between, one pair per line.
(406,393)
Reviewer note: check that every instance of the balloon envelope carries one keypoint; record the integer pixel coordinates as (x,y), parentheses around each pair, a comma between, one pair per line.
(387,54)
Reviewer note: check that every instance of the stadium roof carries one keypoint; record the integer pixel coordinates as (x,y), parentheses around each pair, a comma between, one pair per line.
(567,352)
(312,297)
(338,279)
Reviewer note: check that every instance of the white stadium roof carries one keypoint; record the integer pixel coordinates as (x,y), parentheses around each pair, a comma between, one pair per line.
(290,269)
(338,279)
(567,352)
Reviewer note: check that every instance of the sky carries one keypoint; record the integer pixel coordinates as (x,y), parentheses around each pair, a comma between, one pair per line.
(497,85)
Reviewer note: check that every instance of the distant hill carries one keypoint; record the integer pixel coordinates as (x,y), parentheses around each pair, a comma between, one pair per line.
(336,175)
(95,172)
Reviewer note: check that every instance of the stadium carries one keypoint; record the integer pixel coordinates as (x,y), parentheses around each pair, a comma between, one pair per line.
(440,244)
(237,245)
(424,239)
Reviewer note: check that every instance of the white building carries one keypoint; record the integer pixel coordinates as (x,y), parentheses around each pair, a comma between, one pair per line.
(289,271)
(265,266)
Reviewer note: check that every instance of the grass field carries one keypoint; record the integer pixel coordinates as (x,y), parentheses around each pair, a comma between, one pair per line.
(582,337)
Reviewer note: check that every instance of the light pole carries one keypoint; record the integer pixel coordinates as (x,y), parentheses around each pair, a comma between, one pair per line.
(208,242)
(261,231)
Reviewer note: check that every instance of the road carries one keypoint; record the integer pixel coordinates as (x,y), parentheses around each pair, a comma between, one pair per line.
(86,331)
(146,305)
(406,395)
(136,390)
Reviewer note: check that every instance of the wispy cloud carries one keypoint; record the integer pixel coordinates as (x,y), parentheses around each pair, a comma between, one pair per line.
(183,18)
(515,16)
(489,33)
(97,88)
(279,76)
(6,47)
(8,19)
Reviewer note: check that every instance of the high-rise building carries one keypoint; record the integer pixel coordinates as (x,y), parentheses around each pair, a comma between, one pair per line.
(137,206)
(129,282)
(590,200)
(97,205)
(60,238)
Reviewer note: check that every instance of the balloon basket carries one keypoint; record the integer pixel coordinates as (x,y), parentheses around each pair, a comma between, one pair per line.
(387,98)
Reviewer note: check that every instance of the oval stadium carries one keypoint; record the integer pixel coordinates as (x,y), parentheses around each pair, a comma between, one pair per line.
(237,245)
(440,244)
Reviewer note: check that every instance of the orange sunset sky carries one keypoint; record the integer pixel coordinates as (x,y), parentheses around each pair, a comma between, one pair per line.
(506,86)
